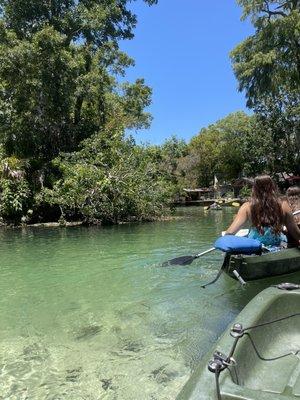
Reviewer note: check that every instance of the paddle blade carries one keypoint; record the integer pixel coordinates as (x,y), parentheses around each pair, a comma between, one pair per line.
(183,260)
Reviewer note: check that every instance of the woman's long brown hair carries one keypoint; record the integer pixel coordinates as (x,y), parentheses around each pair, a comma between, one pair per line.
(266,209)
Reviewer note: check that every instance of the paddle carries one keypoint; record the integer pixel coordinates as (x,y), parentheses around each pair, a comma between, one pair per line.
(186,260)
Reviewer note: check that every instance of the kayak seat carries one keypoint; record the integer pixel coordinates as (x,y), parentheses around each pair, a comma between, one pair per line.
(238,245)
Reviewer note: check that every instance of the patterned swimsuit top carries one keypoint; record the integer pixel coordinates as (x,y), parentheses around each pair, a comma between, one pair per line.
(268,238)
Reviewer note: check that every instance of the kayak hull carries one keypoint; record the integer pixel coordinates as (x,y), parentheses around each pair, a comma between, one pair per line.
(253,378)
(286,261)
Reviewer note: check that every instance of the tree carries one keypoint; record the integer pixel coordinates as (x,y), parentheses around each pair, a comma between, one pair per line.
(59,63)
(269,60)
(167,157)
(267,66)
(91,21)
(109,179)
(220,149)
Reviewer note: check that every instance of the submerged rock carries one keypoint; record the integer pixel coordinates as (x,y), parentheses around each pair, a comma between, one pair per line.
(132,346)
(73,374)
(162,375)
(88,332)
(35,352)
(107,383)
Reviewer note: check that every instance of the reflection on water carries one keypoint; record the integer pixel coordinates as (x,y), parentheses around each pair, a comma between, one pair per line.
(89,313)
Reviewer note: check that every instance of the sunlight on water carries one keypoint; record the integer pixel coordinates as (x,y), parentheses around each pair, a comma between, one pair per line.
(89,313)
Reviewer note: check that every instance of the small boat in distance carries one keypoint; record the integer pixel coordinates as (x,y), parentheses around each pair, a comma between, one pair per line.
(214,206)
(257,358)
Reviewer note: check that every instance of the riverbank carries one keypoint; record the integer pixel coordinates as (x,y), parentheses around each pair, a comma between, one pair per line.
(64,224)
(207,202)
(61,223)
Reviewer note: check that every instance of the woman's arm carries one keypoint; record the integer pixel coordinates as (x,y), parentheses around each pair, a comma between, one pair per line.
(290,222)
(240,219)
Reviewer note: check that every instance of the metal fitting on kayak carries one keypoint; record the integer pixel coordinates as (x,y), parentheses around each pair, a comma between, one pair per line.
(238,277)
(219,362)
(237,331)
(287,286)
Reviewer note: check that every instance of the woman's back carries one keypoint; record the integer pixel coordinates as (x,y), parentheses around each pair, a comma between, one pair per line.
(266,208)
(265,229)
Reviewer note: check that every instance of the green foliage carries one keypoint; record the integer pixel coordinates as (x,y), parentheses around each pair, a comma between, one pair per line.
(269,60)
(14,198)
(267,66)
(168,156)
(64,113)
(108,181)
(59,63)
(15,193)
(239,145)
(245,192)
(206,153)
(93,21)
(220,149)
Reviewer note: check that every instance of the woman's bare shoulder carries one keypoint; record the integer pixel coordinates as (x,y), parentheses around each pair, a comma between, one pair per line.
(246,205)
(245,208)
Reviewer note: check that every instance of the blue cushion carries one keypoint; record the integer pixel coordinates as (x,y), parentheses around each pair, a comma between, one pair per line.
(238,245)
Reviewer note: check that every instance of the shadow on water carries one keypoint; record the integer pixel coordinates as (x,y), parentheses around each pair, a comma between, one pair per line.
(89,313)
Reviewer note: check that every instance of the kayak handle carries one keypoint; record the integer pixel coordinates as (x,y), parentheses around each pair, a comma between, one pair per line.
(238,277)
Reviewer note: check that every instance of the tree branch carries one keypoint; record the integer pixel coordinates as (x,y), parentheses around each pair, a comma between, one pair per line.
(270,13)
(293,2)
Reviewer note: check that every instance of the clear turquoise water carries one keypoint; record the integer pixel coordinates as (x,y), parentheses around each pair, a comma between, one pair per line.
(89,313)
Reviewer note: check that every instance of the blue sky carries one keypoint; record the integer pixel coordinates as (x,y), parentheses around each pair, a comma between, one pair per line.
(181,48)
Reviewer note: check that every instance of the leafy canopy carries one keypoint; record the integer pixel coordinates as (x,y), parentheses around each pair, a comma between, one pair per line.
(267,66)
(59,69)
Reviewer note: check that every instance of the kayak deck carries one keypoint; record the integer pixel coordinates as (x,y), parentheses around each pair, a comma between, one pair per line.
(281,376)
(254,378)
(266,265)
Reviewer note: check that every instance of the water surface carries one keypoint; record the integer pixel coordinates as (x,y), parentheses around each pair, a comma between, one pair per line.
(89,313)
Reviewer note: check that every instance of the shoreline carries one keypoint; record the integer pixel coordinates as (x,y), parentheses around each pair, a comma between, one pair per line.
(67,224)
(82,223)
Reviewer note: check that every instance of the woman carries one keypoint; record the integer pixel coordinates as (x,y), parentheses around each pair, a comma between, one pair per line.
(267,214)
(293,199)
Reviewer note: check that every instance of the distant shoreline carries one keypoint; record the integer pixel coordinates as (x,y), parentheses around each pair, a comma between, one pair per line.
(164,218)
(82,223)
(207,202)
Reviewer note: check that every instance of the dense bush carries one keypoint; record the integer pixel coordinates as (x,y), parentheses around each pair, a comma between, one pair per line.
(109,180)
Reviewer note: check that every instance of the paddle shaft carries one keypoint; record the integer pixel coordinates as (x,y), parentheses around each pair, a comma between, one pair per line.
(205,252)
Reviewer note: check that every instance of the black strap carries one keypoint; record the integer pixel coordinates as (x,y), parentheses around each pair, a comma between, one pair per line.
(225,262)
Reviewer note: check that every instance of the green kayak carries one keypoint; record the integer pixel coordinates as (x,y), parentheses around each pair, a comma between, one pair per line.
(254,267)
(258,357)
